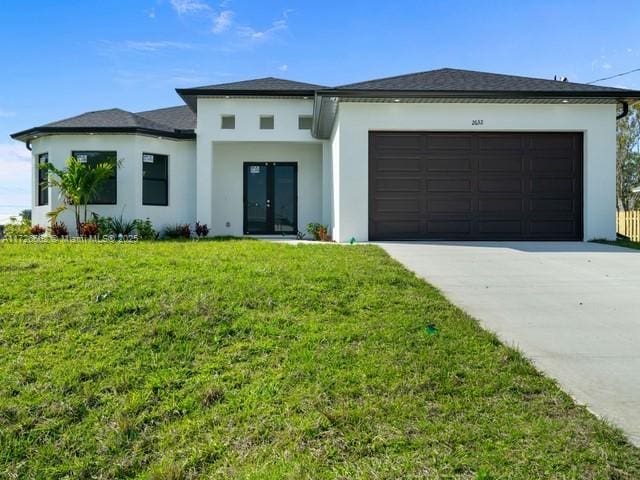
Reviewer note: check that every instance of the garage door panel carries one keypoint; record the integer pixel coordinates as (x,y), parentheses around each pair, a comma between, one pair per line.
(454,164)
(398,229)
(398,185)
(500,142)
(438,141)
(449,185)
(553,185)
(449,227)
(397,205)
(500,227)
(501,185)
(399,142)
(562,205)
(506,204)
(399,164)
(450,205)
(551,141)
(512,164)
(553,164)
(546,227)
(476,186)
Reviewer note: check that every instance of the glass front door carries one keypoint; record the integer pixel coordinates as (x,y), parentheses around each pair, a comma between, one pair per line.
(270,198)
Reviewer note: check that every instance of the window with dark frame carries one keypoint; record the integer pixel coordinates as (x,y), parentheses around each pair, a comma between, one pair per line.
(155,179)
(266,122)
(304,122)
(43,176)
(228,122)
(108,192)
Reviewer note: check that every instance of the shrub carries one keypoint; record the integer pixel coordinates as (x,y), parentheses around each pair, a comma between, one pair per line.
(17,229)
(104,224)
(38,230)
(202,230)
(122,227)
(178,231)
(144,229)
(319,232)
(59,230)
(89,229)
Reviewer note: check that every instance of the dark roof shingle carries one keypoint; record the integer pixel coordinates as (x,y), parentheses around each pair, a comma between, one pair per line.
(270,84)
(450,79)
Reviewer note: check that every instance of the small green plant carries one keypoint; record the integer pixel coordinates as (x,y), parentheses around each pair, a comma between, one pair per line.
(119,226)
(318,232)
(177,231)
(104,224)
(17,228)
(38,230)
(59,230)
(202,230)
(145,230)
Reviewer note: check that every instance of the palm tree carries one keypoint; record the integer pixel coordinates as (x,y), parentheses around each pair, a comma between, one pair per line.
(78,184)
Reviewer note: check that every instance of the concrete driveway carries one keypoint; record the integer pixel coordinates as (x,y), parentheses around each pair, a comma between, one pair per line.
(572,308)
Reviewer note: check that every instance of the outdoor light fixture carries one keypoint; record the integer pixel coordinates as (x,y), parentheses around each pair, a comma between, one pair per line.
(565,101)
(397,100)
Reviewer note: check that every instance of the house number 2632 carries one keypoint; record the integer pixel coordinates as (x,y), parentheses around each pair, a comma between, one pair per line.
(477,122)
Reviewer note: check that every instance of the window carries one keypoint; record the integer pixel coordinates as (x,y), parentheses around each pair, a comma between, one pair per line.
(266,122)
(304,122)
(43,175)
(108,193)
(228,122)
(155,179)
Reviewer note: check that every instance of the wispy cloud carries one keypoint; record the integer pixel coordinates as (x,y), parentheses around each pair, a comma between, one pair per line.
(151,13)
(222,21)
(153,46)
(261,35)
(184,7)
(6,113)
(284,67)
(607,66)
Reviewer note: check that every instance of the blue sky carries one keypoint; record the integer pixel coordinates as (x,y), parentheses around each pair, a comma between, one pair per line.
(61,58)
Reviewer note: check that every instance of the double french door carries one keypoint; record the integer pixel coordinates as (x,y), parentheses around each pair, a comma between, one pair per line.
(270,198)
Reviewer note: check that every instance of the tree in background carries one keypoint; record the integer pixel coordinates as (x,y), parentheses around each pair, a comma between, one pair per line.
(26,214)
(78,184)
(628,161)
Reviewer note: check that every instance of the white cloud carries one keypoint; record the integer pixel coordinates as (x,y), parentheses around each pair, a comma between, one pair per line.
(222,21)
(15,179)
(607,66)
(155,46)
(189,6)
(6,113)
(260,35)
(284,67)
(151,13)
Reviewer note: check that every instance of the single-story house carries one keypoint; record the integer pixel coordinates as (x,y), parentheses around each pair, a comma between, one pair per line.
(443,154)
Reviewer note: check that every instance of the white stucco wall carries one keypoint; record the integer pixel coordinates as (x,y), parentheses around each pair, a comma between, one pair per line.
(219,165)
(182,174)
(350,150)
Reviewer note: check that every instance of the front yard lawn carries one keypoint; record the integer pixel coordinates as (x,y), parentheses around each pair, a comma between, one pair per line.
(250,359)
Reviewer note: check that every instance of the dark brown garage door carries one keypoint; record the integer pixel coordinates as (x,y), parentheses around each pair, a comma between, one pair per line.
(475,186)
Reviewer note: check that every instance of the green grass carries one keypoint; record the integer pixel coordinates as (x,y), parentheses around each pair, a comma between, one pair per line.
(621,243)
(258,360)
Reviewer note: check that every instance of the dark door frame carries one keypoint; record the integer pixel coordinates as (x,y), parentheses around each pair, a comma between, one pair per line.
(270,196)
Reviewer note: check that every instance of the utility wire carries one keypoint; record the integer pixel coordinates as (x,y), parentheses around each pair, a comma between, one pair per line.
(614,76)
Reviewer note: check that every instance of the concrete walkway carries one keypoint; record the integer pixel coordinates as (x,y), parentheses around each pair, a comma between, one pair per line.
(572,308)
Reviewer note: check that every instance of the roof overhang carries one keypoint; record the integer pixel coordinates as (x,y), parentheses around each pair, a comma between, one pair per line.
(30,134)
(327,101)
(190,95)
